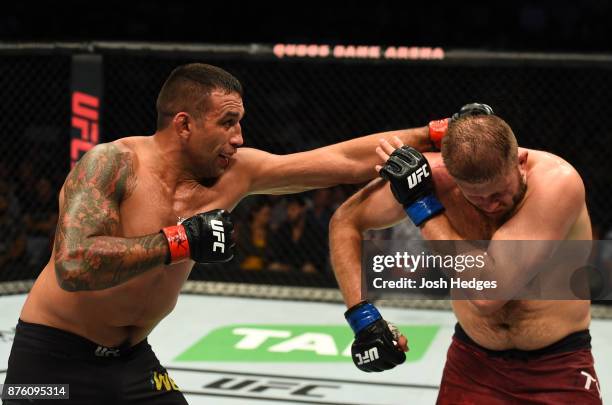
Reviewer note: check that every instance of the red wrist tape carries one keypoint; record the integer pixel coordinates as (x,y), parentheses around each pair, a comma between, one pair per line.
(177,243)
(437,130)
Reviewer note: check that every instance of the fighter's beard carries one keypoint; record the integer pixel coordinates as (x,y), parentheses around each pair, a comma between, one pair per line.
(516,201)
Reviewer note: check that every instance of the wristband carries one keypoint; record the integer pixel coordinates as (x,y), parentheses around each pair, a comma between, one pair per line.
(362,315)
(178,243)
(437,130)
(423,209)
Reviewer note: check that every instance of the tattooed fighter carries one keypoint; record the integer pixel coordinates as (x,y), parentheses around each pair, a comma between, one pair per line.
(135,215)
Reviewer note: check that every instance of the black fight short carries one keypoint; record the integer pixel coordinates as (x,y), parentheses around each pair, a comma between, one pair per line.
(95,374)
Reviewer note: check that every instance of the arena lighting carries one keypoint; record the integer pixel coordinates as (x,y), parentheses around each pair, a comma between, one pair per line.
(357,52)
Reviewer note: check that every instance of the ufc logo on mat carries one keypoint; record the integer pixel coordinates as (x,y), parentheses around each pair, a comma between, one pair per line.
(416,177)
(367,356)
(219,234)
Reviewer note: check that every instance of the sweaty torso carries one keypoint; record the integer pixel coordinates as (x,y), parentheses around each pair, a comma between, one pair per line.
(129,311)
(519,324)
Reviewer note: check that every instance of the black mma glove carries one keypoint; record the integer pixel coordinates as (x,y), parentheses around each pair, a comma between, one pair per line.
(376,346)
(409,173)
(438,128)
(204,237)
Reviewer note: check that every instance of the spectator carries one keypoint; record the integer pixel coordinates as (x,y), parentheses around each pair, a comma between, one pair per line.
(339,194)
(12,242)
(26,185)
(292,246)
(321,210)
(318,216)
(278,214)
(7,189)
(40,223)
(253,238)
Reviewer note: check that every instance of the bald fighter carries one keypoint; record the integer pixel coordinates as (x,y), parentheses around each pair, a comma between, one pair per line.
(135,215)
(482,187)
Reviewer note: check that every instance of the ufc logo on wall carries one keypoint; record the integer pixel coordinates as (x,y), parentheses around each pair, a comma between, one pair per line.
(416,177)
(219,234)
(85,117)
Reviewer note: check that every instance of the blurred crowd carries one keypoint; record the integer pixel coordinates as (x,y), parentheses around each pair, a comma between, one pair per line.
(28,218)
(286,233)
(273,234)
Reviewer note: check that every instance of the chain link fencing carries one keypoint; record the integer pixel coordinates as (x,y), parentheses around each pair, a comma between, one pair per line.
(559,104)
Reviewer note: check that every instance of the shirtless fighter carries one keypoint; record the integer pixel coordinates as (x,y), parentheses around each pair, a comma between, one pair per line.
(483,187)
(113,275)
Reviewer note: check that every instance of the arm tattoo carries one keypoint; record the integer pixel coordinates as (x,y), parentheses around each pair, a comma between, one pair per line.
(88,254)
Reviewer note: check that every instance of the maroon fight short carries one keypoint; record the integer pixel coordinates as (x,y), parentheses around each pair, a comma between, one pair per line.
(562,373)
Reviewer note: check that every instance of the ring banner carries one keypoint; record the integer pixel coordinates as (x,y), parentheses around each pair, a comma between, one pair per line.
(487,270)
(85,100)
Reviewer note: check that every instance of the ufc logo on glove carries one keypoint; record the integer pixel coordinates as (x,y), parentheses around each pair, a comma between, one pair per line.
(201,238)
(367,356)
(219,234)
(416,177)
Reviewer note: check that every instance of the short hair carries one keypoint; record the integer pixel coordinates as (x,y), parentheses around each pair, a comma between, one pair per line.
(188,88)
(479,148)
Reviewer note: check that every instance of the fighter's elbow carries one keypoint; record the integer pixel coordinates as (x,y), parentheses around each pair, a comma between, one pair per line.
(69,287)
(64,284)
(67,278)
(343,219)
(336,223)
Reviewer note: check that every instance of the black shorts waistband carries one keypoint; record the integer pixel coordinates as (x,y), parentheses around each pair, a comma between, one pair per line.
(58,340)
(571,343)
